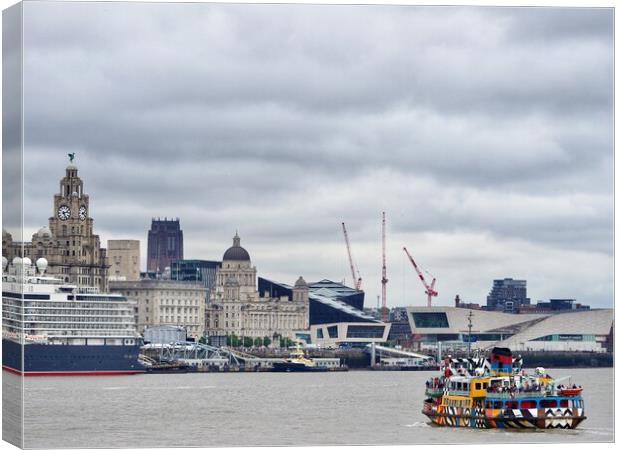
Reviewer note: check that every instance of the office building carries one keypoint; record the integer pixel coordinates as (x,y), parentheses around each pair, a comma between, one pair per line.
(236,307)
(166,302)
(124,259)
(197,270)
(507,295)
(73,251)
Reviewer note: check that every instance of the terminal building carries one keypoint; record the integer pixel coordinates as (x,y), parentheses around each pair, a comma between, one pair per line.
(336,315)
(581,330)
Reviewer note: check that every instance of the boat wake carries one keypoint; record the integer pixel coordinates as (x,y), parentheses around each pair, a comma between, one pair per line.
(417,425)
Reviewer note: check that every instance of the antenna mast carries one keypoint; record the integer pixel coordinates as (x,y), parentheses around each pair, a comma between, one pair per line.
(384,280)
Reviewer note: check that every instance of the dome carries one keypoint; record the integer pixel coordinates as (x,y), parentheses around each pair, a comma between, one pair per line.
(236,252)
(301,283)
(41,264)
(44,233)
(27,261)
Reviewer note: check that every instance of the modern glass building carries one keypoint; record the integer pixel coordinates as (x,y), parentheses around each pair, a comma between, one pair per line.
(507,295)
(198,270)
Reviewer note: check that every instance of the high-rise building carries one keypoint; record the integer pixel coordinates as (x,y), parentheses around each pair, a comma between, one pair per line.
(69,244)
(507,295)
(165,244)
(124,259)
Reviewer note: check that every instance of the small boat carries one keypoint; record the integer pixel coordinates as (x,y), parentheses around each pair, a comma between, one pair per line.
(297,362)
(571,391)
(495,392)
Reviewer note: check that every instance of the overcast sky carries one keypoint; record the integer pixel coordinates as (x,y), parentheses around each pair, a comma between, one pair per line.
(484,133)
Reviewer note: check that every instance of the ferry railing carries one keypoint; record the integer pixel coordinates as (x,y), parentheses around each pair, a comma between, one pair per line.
(434,392)
(509,395)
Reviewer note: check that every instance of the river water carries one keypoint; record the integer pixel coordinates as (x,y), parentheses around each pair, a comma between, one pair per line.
(252,409)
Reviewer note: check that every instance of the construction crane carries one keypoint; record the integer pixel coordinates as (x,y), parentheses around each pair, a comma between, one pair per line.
(355,273)
(384,280)
(429,290)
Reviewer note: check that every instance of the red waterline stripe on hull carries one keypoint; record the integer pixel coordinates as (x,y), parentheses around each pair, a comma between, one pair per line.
(76,373)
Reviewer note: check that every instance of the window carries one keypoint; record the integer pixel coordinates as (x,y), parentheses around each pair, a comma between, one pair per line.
(478,386)
(361,331)
(512,405)
(430,320)
(498,405)
(332,331)
(548,403)
(319,333)
(526,404)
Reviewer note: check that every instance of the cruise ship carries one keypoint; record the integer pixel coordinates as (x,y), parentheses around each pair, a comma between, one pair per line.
(50,327)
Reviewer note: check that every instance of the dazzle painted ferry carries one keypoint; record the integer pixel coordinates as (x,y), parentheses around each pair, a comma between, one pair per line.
(496,393)
(50,327)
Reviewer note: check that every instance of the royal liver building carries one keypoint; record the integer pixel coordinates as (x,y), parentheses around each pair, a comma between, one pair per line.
(235,306)
(72,250)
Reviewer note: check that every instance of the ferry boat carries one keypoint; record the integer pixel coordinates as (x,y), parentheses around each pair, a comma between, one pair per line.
(496,392)
(50,327)
(298,363)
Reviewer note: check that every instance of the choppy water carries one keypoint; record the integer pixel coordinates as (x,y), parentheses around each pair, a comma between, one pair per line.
(249,409)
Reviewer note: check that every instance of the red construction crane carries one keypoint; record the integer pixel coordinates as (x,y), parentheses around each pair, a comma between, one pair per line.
(355,273)
(430,290)
(384,280)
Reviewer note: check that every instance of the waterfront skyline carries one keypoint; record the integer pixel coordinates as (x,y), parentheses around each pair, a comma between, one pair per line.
(484,133)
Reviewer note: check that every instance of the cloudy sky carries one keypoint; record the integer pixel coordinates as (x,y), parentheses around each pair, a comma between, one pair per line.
(485,134)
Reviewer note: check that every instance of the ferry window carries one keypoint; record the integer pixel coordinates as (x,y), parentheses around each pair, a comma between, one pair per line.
(485,385)
(525,404)
(512,405)
(497,405)
(563,403)
(478,386)
(548,403)
(488,404)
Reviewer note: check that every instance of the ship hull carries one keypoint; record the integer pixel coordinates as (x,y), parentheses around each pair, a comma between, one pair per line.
(292,367)
(557,418)
(50,360)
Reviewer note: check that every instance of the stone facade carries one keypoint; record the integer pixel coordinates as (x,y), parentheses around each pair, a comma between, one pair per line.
(235,306)
(71,248)
(124,259)
(166,302)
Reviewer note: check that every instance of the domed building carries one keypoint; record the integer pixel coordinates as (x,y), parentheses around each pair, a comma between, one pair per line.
(236,306)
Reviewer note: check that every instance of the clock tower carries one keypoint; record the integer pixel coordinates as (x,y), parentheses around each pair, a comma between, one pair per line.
(79,258)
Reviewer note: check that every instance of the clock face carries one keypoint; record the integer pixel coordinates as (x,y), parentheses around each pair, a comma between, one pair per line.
(64,212)
(83,212)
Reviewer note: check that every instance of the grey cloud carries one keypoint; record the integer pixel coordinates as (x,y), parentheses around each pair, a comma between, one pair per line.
(469,126)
